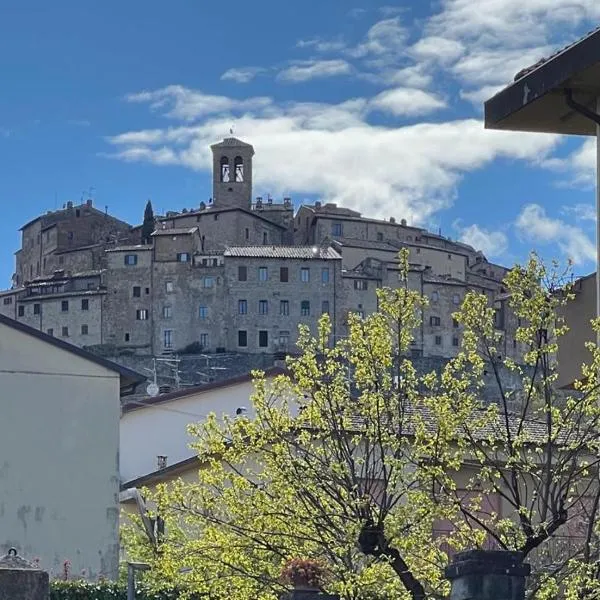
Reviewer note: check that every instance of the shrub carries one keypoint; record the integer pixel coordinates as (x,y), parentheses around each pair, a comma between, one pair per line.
(105,590)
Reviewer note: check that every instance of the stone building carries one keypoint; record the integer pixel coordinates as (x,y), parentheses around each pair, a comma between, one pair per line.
(236,274)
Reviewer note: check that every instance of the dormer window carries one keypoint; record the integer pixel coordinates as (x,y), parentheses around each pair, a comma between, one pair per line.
(224,169)
(239,168)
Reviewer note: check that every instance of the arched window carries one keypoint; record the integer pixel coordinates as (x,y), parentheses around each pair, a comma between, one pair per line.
(239,168)
(224,169)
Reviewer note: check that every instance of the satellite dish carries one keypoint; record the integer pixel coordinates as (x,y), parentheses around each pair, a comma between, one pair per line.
(152,389)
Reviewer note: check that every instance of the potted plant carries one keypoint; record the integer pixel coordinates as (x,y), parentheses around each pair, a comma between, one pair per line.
(303,573)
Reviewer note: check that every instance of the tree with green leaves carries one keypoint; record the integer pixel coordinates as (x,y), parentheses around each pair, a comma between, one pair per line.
(148,224)
(379,471)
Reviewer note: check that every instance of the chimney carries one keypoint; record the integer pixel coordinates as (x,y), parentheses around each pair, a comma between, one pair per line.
(161,462)
(317,205)
(403,222)
(89,202)
(69,205)
(392,220)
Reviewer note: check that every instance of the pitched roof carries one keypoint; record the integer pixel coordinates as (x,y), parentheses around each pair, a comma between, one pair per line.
(212,210)
(130,248)
(231,142)
(175,231)
(198,389)
(159,475)
(129,378)
(299,252)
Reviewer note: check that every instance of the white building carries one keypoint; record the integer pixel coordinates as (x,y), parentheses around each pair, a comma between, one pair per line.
(59,451)
(154,430)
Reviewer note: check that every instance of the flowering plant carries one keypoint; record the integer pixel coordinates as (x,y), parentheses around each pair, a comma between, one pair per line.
(303,572)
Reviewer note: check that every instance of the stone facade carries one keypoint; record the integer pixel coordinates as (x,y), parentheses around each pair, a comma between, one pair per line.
(236,275)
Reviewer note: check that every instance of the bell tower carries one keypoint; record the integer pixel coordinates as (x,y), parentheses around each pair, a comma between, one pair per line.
(232,173)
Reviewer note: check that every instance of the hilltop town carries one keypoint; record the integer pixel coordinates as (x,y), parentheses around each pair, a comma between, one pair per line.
(235,275)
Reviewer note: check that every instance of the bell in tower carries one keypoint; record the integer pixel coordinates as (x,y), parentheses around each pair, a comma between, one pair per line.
(232,173)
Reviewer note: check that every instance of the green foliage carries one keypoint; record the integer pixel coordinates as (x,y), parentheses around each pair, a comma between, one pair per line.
(82,590)
(354,459)
(148,224)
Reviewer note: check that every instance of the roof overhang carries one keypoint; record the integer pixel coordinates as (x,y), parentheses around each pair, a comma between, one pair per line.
(537,100)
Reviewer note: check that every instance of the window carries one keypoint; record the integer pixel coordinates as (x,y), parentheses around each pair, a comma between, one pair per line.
(337,229)
(64,306)
(85,304)
(137,291)
(238,163)
(70,236)
(141,314)
(265,238)
(130,260)
(21,312)
(61,260)
(456,299)
(84,330)
(305,274)
(209,282)
(284,307)
(204,340)
(224,169)
(435,321)
(242,307)
(455,340)
(183,257)
(449,256)
(435,296)
(242,338)
(203,312)
(361,313)
(215,218)
(514,343)
(127,337)
(305,308)
(263,274)
(283,274)
(169,287)
(455,323)
(263,307)
(242,273)
(147,291)
(379,236)
(37,309)
(77,213)
(438,340)
(247,233)
(168,338)
(325,307)
(65,332)
(7,301)
(325,275)
(50,331)
(284,339)
(263,339)
(361,284)
(167,312)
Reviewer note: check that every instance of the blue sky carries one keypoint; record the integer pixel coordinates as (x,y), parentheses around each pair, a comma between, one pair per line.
(377,106)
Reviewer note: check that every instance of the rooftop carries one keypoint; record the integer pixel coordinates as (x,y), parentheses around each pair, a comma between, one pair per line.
(131,248)
(544,96)
(176,231)
(300,252)
(231,142)
(129,378)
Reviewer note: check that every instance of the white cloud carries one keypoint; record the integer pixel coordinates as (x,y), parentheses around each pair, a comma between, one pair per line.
(189,104)
(385,38)
(534,225)
(480,95)
(314,69)
(331,150)
(437,49)
(581,212)
(321,45)
(415,76)
(242,74)
(491,243)
(581,163)
(407,102)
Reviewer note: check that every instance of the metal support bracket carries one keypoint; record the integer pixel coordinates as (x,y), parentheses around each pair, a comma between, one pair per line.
(580,108)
